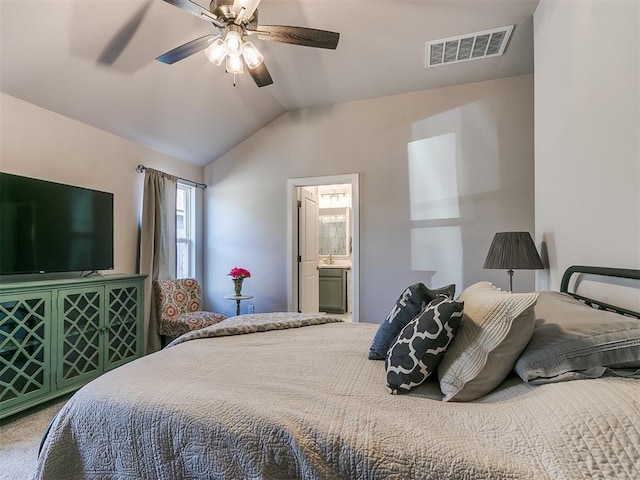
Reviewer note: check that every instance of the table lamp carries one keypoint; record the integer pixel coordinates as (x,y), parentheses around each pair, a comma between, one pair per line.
(513,250)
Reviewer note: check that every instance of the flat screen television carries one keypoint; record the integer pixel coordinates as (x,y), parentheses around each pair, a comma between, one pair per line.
(51,227)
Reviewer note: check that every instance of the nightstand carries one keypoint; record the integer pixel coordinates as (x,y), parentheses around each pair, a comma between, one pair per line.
(238,299)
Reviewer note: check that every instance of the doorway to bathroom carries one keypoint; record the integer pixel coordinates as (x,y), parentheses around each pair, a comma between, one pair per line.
(322,245)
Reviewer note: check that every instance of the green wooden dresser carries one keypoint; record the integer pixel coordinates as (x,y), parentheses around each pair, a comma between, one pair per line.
(57,335)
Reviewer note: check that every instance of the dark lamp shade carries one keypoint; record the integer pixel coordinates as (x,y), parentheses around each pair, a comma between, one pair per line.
(513,251)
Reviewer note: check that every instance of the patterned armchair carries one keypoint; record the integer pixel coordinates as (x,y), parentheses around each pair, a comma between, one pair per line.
(178,304)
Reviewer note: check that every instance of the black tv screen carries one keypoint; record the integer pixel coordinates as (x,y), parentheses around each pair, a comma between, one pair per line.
(50,227)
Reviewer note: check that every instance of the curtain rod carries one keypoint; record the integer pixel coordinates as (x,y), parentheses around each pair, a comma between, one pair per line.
(141,168)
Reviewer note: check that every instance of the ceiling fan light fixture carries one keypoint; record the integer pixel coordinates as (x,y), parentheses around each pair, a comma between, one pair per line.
(234,64)
(252,55)
(233,44)
(233,21)
(216,52)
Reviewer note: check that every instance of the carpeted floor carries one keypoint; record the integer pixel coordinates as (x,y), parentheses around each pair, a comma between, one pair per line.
(20,436)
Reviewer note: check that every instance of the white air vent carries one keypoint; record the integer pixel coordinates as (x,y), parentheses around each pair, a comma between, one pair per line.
(489,43)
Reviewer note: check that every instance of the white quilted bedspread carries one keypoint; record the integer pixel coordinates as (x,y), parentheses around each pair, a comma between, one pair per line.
(307,403)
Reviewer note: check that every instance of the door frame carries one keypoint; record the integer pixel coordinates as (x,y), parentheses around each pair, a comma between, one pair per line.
(292,235)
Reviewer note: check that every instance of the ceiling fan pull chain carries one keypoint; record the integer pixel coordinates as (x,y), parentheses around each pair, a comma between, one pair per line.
(234,79)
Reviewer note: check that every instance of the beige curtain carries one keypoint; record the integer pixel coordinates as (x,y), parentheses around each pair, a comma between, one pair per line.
(157,244)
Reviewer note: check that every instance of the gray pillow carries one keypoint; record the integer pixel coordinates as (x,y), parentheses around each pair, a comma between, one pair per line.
(410,303)
(572,340)
(421,344)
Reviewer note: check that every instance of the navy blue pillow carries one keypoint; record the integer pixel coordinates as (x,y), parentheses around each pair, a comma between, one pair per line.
(410,303)
(421,344)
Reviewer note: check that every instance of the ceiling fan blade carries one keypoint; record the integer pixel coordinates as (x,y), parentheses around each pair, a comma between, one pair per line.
(244,9)
(195,9)
(187,49)
(260,75)
(307,37)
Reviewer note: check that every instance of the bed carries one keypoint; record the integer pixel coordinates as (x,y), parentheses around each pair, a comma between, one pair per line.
(282,396)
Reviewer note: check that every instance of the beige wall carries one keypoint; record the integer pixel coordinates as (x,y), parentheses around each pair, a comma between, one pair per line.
(38,143)
(587,104)
(484,175)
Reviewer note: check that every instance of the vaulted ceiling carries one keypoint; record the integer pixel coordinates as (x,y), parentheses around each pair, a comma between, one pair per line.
(94,61)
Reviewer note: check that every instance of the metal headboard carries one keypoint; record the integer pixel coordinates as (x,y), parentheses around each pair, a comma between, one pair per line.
(603,271)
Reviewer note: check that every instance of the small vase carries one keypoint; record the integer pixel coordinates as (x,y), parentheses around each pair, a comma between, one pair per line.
(237,286)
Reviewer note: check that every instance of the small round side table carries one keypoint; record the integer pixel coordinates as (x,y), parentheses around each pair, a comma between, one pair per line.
(238,299)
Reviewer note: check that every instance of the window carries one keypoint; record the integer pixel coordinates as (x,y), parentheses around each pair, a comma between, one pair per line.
(185,231)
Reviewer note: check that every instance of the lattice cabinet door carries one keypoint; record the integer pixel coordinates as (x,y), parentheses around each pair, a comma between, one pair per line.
(80,332)
(25,354)
(123,340)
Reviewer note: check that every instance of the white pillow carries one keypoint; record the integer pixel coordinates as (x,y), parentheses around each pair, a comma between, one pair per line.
(496,326)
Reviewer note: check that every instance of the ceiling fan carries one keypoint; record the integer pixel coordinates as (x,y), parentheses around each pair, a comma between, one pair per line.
(234,20)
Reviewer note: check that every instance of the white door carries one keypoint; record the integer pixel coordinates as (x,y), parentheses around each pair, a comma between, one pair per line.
(308,274)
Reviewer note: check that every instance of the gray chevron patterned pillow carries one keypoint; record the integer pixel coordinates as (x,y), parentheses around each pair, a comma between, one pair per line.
(421,344)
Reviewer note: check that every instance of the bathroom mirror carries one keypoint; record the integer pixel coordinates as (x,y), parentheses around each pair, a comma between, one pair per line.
(333,231)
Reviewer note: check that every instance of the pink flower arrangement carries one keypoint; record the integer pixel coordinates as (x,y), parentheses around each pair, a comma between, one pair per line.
(239,273)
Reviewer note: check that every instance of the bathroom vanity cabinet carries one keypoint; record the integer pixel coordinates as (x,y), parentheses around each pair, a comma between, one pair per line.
(333,289)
